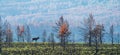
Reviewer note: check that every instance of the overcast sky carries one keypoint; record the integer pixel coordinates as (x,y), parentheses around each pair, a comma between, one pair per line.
(46,12)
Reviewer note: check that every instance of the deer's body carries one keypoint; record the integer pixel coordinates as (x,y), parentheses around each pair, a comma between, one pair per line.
(35,38)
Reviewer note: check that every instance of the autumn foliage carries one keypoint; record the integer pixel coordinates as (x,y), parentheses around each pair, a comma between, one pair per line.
(63,29)
(20,30)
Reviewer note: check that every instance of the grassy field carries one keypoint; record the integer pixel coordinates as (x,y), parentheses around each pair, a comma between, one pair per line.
(47,49)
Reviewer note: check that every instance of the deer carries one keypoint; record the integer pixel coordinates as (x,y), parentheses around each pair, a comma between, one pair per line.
(35,38)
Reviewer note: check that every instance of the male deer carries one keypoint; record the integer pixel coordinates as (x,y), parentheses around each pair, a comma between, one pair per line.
(35,38)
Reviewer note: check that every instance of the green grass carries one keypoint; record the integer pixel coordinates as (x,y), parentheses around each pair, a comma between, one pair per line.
(47,49)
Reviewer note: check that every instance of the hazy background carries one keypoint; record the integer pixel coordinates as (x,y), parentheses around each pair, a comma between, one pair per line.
(42,14)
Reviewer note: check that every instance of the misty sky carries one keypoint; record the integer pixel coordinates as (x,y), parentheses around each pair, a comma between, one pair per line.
(41,14)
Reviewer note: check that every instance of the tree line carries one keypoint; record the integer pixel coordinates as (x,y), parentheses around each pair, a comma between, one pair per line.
(90,30)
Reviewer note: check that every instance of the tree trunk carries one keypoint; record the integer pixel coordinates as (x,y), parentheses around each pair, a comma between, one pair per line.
(18,39)
(112,40)
(100,38)
(64,43)
(0,43)
(53,45)
(90,40)
(96,46)
(0,48)
(61,40)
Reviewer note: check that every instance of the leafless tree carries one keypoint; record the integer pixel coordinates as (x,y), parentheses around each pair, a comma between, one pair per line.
(27,33)
(9,35)
(21,33)
(96,36)
(95,33)
(44,36)
(111,33)
(0,40)
(118,37)
(86,29)
(52,40)
(18,34)
(0,35)
(8,32)
(102,30)
(99,28)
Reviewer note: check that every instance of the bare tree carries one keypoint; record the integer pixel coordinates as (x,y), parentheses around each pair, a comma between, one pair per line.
(111,33)
(99,28)
(0,39)
(18,34)
(27,34)
(0,35)
(95,33)
(9,37)
(9,34)
(102,30)
(44,36)
(96,36)
(51,39)
(118,35)
(86,29)
(21,33)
